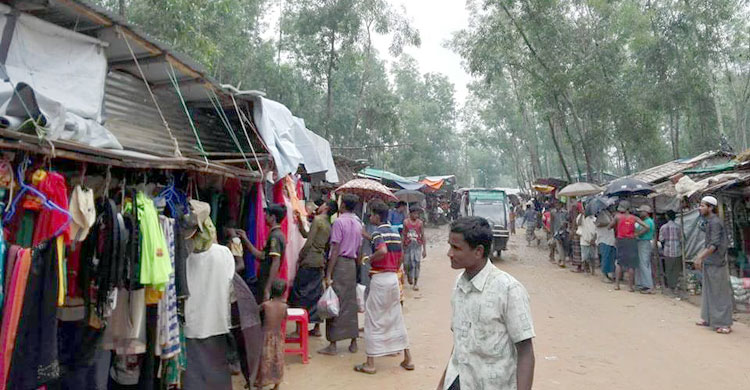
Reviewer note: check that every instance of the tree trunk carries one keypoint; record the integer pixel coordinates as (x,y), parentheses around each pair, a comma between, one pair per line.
(329,83)
(121,8)
(572,144)
(677,135)
(532,142)
(557,147)
(363,79)
(625,157)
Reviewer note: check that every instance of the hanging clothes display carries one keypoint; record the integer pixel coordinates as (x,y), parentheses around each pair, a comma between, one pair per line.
(168,334)
(50,221)
(294,240)
(35,360)
(155,264)
(12,312)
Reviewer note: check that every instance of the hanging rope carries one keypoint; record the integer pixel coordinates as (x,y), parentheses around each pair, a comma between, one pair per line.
(175,83)
(227,125)
(241,116)
(153,97)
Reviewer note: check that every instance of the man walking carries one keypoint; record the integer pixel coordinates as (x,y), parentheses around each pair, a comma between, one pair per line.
(385,330)
(341,273)
(717,305)
(587,235)
(492,326)
(669,236)
(415,246)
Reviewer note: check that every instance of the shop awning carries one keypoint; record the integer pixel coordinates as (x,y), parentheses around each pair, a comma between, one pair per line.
(390,178)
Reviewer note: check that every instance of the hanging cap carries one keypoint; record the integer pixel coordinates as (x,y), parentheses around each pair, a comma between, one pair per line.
(82,211)
(710,200)
(645,208)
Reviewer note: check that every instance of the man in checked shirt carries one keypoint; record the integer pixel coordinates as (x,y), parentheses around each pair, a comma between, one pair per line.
(492,327)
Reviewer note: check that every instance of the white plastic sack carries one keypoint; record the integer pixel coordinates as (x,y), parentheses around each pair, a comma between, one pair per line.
(361,297)
(328,304)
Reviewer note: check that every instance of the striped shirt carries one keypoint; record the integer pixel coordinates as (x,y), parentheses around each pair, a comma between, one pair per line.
(669,235)
(386,235)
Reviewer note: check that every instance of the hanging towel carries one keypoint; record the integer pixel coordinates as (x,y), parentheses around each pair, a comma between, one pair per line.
(168,332)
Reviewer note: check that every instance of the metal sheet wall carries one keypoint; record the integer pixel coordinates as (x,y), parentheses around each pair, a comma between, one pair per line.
(131,116)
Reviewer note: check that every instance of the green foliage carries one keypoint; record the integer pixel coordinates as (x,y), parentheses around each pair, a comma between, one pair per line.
(613,86)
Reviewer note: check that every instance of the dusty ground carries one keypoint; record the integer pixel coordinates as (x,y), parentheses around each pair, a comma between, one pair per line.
(588,336)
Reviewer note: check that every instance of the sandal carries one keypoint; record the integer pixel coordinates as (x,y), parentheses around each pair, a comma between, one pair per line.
(724,330)
(701,323)
(363,369)
(407,367)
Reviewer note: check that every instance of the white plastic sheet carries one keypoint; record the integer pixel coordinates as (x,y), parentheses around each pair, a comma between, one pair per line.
(58,63)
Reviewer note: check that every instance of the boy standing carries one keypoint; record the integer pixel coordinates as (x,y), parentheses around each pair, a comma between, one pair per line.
(415,246)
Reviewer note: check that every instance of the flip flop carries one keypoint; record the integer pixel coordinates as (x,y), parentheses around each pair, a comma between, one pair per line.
(328,352)
(724,330)
(407,367)
(701,323)
(361,368)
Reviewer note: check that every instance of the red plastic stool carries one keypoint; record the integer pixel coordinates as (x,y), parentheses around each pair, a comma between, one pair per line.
(299,316)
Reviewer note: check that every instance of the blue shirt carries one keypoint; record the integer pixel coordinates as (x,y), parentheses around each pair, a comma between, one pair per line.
(395,217)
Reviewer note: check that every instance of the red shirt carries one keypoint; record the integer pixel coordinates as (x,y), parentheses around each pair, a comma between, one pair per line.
(625,226)
(413,232)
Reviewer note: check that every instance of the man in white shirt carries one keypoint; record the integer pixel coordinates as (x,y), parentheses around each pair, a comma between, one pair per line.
(210,270)
(492,326)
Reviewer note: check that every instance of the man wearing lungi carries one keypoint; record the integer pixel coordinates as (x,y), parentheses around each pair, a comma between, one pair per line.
(492,326)
(385,331)
(717,305)
(341,273)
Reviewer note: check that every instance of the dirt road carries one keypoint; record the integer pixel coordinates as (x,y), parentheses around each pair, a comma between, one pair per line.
(588,336)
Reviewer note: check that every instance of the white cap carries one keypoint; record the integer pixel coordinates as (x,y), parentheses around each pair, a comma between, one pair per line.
(710,200)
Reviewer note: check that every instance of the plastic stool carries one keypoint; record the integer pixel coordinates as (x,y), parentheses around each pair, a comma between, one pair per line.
(299,316)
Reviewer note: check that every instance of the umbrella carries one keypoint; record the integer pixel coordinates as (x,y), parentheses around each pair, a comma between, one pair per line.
(366,189)
(597,204)
(627,187)
(579,189)
(409,196)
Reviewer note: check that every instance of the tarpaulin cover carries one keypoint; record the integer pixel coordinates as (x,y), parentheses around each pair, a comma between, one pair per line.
(58,74)
(290,142)
(435,185)
(275,124)
(324,148)
(397,180)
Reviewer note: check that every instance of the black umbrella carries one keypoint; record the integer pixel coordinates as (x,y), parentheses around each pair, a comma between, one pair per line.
(628,187)
(598,203)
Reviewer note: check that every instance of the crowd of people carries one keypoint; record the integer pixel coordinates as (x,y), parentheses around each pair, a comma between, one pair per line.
(623,240)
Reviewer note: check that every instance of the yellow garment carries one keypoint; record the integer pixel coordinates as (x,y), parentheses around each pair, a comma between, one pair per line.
(61,290)
(153,296)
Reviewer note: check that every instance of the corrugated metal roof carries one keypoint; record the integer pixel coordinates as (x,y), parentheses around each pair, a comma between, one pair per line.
(661,172)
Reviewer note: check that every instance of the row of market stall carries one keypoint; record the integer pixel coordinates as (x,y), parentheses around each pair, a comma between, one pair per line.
(678,186)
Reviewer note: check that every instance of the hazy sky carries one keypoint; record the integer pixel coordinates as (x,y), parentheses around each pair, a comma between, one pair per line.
(436,21)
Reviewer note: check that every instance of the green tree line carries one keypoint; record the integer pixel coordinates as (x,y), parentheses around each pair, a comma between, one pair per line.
(573,88)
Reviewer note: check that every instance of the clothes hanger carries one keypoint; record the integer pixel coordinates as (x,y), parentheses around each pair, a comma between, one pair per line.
(45,202)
